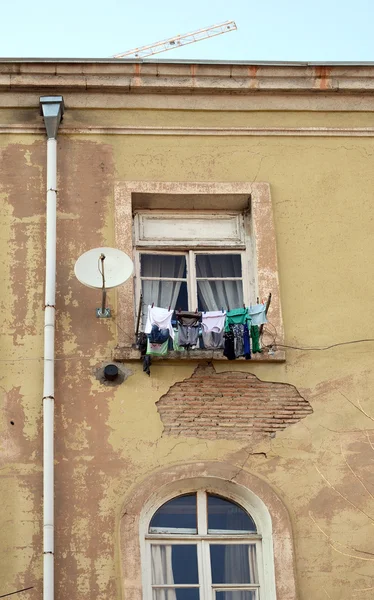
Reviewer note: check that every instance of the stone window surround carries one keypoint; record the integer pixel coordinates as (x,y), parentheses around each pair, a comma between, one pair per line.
(224,479)
(266,265)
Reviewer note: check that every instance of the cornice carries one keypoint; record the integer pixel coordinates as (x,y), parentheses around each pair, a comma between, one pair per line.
(182,78)
(196,131)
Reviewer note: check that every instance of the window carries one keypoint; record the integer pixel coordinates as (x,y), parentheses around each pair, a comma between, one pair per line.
(186,219)
(202,546)
(193,261)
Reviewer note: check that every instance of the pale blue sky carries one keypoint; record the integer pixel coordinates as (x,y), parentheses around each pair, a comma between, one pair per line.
(301,30)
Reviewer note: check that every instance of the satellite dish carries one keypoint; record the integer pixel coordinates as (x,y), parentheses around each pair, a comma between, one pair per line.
(118,267)
(103,268)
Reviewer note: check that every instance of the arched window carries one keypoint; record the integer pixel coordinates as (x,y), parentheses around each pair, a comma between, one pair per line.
(204,546)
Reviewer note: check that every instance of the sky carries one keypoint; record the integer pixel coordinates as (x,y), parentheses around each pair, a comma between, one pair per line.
(270,30)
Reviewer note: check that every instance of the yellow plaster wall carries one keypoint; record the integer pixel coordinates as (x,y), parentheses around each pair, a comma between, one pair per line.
(108,439)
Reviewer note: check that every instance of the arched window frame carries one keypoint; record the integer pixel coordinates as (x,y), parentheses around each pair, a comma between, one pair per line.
(242,496)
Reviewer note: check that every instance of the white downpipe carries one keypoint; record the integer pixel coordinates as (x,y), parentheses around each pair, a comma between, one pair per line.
(49,368)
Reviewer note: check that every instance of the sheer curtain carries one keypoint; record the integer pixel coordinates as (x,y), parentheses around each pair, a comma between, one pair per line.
(162,572)
(240,567)
(162,293)
(240,559)
(215,295)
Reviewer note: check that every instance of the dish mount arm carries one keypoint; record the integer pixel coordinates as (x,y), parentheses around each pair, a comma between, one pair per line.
(103,312)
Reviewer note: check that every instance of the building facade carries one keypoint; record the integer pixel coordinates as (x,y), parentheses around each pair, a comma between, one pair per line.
(209,478)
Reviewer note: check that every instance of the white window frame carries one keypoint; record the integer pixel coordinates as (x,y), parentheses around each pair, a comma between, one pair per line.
(243,246)
(262,539)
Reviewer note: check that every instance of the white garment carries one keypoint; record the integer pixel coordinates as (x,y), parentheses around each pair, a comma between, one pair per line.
(257,314)
(213,320)
(160,317)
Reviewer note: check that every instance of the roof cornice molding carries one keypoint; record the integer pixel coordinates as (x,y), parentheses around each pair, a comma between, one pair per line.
(181,78)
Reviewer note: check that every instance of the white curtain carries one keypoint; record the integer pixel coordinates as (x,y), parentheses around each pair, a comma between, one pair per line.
(162,572)
(162,293)
(240,564)
(215,295)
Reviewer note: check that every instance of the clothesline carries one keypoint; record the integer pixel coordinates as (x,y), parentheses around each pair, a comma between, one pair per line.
(233,331)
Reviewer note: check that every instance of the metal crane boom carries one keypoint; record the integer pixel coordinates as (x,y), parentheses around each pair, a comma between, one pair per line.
(179,40)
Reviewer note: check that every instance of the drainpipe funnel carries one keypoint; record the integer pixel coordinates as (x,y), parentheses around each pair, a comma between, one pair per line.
(52,109)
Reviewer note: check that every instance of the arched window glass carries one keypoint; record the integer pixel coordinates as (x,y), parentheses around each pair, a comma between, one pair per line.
(202,546)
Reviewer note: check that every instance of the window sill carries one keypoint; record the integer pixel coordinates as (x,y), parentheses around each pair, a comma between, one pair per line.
(129,353)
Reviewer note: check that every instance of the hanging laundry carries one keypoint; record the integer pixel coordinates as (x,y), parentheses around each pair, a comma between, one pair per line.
(176,346)
(255,335)
(188,328)
(213,340)
(229,348)
(257,313)
(238,331)
(246,343)
(213,321)
(160,317)
(237,316)
(157,335)
(157,349)
(142,345)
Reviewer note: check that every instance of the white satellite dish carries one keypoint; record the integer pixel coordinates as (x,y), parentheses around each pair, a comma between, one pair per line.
(103,268)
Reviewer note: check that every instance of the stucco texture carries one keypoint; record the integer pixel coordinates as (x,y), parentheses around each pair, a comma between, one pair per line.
(109,439)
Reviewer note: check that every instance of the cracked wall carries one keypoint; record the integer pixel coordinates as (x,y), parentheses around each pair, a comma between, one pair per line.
(229,405)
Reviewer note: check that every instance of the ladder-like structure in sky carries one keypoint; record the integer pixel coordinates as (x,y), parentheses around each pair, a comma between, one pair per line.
(179,40)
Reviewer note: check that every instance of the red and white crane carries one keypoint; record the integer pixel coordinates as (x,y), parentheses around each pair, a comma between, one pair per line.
(179,40)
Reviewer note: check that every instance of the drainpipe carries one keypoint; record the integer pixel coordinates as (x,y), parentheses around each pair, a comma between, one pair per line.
(52,109)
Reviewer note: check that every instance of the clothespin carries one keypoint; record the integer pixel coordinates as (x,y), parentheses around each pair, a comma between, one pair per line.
(169,307)
(258,300)
(153,304)
(222,310)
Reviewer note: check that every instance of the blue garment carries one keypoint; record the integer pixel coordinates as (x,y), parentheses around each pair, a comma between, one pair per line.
(157,335)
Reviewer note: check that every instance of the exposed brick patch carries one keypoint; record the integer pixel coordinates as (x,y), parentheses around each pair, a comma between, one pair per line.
(232,405)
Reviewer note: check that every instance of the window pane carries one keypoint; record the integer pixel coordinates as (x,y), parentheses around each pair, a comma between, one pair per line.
(174,564)
(233,563)
(226,515)
(218,265)
(178,594)
(215,295)
(236,595)
(177,513)
(164,294)
(162,265)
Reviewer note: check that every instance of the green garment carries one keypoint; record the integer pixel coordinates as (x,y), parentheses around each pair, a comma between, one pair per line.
(255,335)
(238,316)
(157,349)
(176,346)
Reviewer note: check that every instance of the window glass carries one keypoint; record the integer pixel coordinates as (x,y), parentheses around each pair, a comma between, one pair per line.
(233,563)
(225,515)
(218,265)
(174,564)
(163,265)
(177,513)
(178,594)
(164,294)
(215,295)
(236,595)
